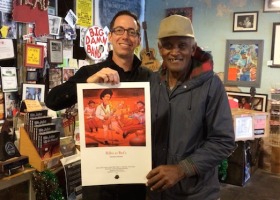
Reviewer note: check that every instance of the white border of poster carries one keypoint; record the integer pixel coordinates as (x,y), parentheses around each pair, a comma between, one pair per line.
(114,164)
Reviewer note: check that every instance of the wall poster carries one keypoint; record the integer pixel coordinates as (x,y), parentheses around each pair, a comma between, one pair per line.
(115,127)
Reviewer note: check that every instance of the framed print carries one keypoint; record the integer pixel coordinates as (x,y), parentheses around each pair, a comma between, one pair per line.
(6,49)
(186,12)
(34,56)
(11,104)
(9,79)
(33,92)
(67,73)
(55,77)
(114,120)
(243,63)
(245,21)
(245,101)
(54,24)
(52,8)
(31,75)
(268,7)
(275,49)
(55,51)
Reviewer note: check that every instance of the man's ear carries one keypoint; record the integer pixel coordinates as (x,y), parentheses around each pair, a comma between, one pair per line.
(194,46)
(159,48)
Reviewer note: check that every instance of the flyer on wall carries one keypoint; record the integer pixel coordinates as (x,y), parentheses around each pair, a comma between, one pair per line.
(115,132)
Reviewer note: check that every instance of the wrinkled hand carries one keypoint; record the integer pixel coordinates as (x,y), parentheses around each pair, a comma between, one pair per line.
(105,75)
(164,177)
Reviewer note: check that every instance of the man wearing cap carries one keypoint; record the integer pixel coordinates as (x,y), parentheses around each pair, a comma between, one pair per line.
(192,127)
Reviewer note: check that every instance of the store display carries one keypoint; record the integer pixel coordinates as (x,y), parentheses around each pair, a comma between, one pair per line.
(10,158)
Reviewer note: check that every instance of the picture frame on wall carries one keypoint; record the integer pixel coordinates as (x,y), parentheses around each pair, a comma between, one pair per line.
(186,12)
(243,64)
(245,21)
(55,51)
(68,72)
(54,24)
(11,102)
(258,103)
(55,77)
(268,7)
(52,8)
(31,75)
(33,92)
(275,48)
(34,56)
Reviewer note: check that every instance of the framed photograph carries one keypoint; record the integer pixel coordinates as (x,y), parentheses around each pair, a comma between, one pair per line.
(186,12)
(33,92)
(11,104)
(52,8)
(268,7)
(55,51)
(114,118)
(245,21)
(31,75)
(34,56)
(54,24)
(9,79)
(275,49)
(67,73)
(243,64)
(55,77)
(245,101)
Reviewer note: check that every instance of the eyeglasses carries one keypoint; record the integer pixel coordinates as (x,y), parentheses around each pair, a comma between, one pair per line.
(121,30)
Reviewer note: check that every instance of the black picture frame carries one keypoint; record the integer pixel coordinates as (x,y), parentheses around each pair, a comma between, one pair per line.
(275,47)
(31,75)
(245,21)
(259,101)
(268,7)
(235,74)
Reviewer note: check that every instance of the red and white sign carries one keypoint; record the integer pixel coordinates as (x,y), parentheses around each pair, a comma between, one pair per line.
(96,43)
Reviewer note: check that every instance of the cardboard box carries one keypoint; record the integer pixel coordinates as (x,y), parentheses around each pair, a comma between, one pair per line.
(250,124)
(27,148)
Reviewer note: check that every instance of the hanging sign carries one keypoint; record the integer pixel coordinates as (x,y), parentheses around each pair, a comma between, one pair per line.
(96,43)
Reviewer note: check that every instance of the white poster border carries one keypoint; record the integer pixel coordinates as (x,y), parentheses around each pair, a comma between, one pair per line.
(114,164)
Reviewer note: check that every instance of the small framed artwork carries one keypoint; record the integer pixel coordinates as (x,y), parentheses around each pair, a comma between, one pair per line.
(52,8)
(245,101)
(31,75)
(11,100)
(55,77)
(33,92)
(34,56)
(186,12)
(245,21)
(275,49)
(67,73)
(54,24)
(269,7)
(55,51)
(243,64)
